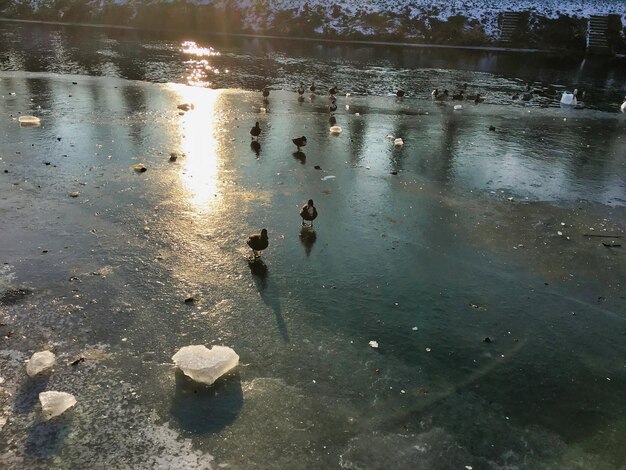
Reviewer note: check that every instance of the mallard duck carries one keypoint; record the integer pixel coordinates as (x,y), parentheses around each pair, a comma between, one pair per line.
(400,93)
(266,92)
(459,96)
(478,99)
(332,91)
(299,142)
(308,213)
(435,92)
(255,131)
(258,242)
(301,89)
(312,87)
(332,107)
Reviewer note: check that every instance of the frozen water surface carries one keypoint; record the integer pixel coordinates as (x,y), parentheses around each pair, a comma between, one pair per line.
(501,341)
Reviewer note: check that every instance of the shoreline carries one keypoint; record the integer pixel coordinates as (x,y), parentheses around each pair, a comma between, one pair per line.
(302,38)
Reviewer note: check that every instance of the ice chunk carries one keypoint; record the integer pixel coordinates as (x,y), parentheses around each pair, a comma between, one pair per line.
(458,107)
(329,177)
(335,130)
(398,142)
(373,344)
(39,362)
(55,403)
(205,365)
(29,121)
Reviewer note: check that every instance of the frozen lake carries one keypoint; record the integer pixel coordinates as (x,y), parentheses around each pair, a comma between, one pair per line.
(460,235)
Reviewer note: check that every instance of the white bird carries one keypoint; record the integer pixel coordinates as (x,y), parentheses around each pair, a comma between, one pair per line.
(569,99)
(623,106)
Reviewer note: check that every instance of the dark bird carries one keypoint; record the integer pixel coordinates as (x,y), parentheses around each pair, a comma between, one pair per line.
(308,213)
(255,131)
(332,91)
(459,96)
(527,96)
(312,87)
(332,107)
(266,92)
(492,128)
(442,96)
(478,99)
(332,120)
(435,92)
(299,142)
(515,96)
(258,242)
(301,89)
(400,93)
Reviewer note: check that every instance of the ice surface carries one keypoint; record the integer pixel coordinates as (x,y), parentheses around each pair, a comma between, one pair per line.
(39,362)
(205,365)
(55,403)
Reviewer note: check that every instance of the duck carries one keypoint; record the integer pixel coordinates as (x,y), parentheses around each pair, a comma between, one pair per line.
(622,108)
(258,242)
(332,107)
(478,99)
(459,96)
(515,96)
(255,131)
(435,92)
(400,93)
(332,120)
(299,142)
(332,91)
(266,92)
(301,89)
(312,87)
(527,96)
(442,96)
(569,99)
(308,213)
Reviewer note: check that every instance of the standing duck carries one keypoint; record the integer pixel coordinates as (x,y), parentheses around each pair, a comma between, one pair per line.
(332,91)
(258,242)
(266,92)
(332,120)
(312,87)
(435,93)
(255,131)
(332,107)
(299,142)
(442,96)
(301,89)
(308,213)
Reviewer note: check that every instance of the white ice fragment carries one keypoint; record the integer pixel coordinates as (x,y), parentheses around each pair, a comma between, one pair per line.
(347,107)
(398,142)
(55,403)
(390,137)
(414,328)
(458,107)
(29,121)
(357,114)
(335,130)
(205,365)
(39,362)
(263,110)
(427,349)
(373,344)
(559,233)
(329,177)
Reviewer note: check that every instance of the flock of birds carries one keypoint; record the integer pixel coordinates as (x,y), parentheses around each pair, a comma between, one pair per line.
(259,242)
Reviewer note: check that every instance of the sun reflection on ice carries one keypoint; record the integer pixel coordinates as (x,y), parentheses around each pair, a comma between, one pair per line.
(199,145)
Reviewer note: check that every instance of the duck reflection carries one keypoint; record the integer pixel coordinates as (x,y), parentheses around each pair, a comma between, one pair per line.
(255,145)
(307,238)
(259,270)
(300,156)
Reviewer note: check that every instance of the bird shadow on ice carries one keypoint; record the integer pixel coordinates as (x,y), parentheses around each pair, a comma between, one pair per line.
(300,156)
(28,394)
(269,293)
(201,409)
(307,238)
